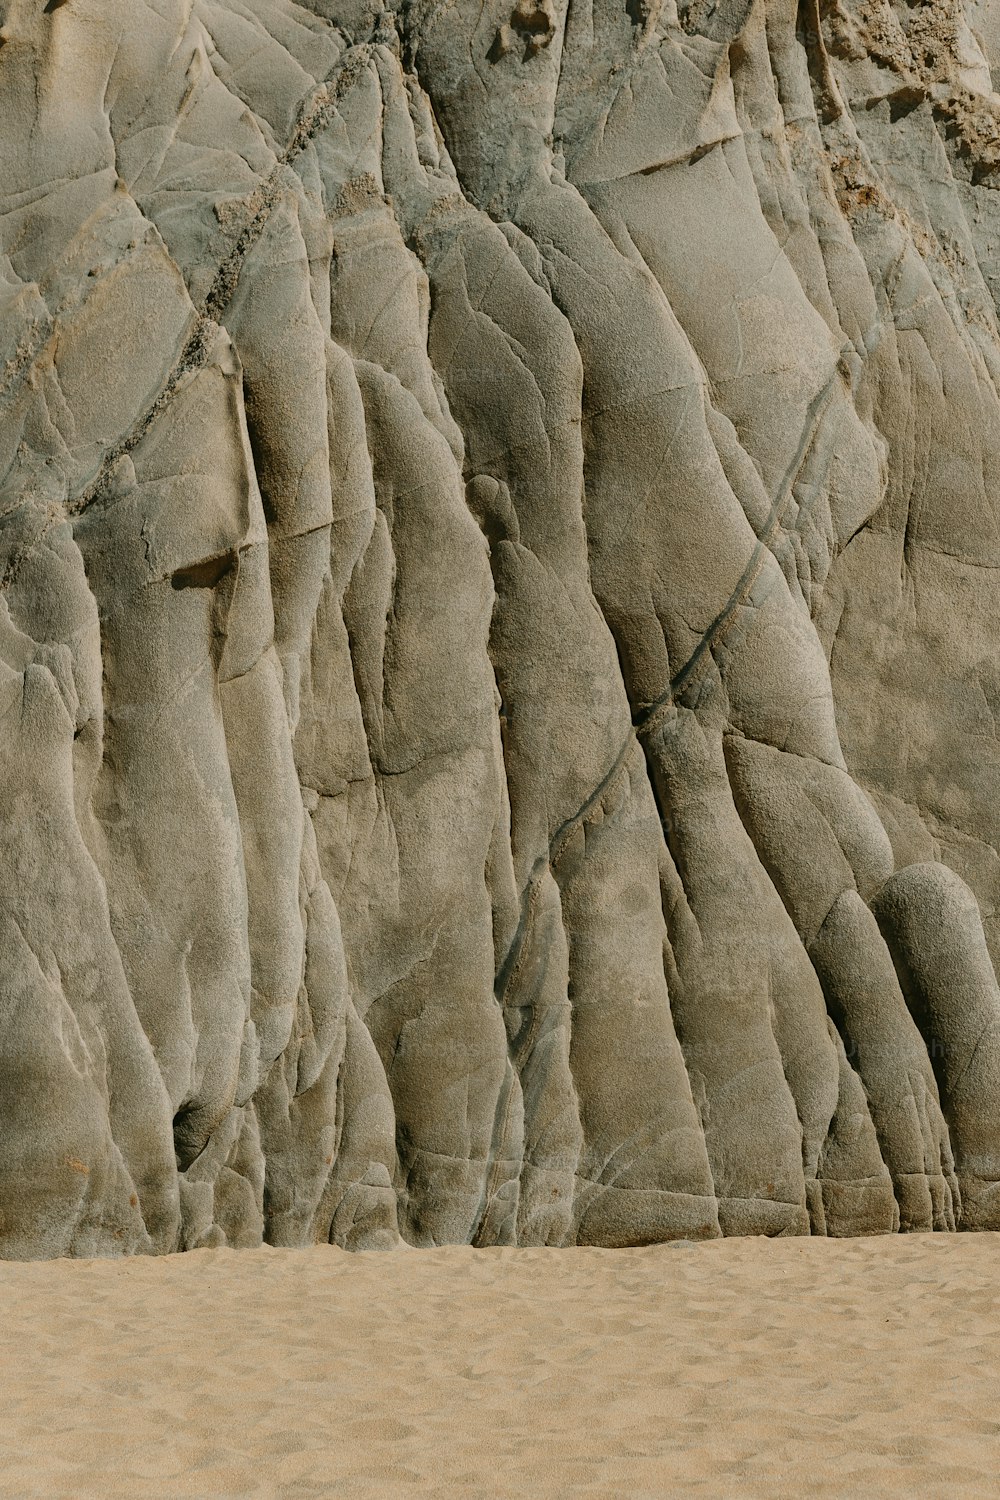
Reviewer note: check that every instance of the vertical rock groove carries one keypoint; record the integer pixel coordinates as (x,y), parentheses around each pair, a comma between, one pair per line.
(498,646)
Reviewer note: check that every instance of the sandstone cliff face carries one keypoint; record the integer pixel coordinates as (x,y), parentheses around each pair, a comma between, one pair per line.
(498,635)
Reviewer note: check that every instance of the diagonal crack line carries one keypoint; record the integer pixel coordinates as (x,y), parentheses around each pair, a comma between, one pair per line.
(316,112)
(192,357)
(507,975)
(24,355)
(726,618)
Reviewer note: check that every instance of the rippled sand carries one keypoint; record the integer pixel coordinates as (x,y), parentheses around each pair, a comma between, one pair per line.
(746,1367)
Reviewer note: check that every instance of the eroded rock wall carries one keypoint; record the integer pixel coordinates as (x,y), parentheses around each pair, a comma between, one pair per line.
(498,631)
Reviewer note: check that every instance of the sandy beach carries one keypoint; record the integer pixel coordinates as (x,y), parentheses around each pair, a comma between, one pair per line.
(744,1367)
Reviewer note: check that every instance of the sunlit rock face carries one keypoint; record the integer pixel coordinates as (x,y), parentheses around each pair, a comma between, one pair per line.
(499,637)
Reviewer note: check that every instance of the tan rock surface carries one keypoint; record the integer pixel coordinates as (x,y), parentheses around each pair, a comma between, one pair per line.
(498,633)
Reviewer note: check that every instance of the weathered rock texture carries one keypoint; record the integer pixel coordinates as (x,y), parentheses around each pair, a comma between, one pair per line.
(498,632)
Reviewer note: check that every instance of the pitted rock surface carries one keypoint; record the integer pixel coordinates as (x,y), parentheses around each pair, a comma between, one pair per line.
(499,642)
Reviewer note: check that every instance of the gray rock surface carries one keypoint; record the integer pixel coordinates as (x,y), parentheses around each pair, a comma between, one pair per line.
(499,645)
